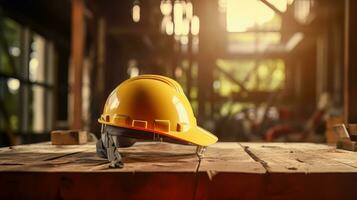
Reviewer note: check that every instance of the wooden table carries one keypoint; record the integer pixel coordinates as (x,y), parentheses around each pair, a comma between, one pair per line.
(169,171)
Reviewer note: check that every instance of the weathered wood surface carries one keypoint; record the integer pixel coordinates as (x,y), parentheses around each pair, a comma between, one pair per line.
(229,157)
(169,171)
(302,157)
(141,157)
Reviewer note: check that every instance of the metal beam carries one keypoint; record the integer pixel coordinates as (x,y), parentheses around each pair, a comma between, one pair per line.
(228,75)
(271,6)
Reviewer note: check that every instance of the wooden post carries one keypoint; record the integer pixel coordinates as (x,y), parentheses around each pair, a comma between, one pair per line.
(208,50)
(77,47)
(350,85)
(350,67)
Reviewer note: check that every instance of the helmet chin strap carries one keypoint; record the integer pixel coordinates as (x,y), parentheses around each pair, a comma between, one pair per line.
(107,148)
(113,137)
(114,156)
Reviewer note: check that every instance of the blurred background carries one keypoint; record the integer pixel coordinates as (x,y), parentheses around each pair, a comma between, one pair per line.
(253,70)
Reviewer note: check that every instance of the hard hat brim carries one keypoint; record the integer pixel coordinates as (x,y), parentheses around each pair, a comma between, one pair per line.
(195,135)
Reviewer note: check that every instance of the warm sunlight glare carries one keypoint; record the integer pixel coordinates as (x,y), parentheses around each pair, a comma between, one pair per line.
(195,25)
(244,14)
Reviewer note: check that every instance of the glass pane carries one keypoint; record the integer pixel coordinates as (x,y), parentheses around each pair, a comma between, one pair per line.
(37,59)
(9,101)
(37,105)
(10,51)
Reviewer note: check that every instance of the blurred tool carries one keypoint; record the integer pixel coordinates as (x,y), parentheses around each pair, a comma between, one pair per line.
(347,136)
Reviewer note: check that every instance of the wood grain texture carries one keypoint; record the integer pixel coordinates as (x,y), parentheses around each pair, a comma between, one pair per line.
(142,157)
(155,170)
(229,157)
(78,37)
(300,157)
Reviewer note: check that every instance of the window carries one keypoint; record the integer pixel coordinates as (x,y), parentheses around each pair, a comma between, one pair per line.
(26,80)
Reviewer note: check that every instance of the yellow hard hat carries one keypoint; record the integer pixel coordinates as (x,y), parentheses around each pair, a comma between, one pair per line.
(155,104)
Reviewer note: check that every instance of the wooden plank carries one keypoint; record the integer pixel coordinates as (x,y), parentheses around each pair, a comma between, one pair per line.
(330,152)
(79,185)
(228,172)
(21,157)
(297,158)
(156,156)
(155,170)
(152,170)
(293,171)
(69,137)
(46,147)
(142,157)
(228,157)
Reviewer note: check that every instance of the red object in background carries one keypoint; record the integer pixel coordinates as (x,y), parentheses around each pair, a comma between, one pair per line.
(277,131)
(284,113)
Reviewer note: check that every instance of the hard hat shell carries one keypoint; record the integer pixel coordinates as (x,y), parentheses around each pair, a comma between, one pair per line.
(154,104)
